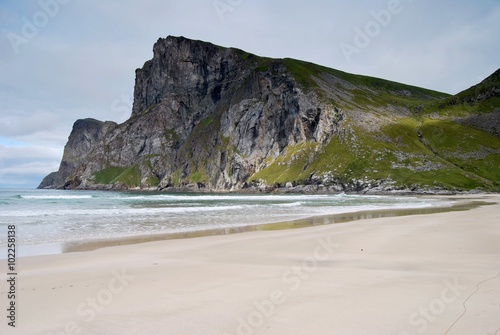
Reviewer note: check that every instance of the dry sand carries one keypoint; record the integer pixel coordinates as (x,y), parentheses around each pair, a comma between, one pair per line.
(421,274)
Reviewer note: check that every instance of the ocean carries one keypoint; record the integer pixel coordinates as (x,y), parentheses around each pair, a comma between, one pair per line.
(47,220)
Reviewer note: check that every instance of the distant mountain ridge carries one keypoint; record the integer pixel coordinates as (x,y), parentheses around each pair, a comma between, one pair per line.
(209,118)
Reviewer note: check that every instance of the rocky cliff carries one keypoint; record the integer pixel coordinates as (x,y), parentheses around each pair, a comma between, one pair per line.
(211,118)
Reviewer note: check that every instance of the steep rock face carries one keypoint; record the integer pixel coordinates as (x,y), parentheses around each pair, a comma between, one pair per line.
(201,114)
(86,134)
(211,118)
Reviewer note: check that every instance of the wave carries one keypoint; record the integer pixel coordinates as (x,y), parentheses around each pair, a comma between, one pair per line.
(249,197)
(195,197)
(291,204)
(116,212)
(53,197)
(297,208)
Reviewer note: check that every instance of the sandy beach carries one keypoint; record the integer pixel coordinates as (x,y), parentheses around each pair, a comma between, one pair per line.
(420,274)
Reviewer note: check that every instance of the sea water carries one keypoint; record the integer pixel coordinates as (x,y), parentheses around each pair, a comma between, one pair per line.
(46,220)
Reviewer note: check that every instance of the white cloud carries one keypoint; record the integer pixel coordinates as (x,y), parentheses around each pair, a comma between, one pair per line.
(22,123)
(25,166)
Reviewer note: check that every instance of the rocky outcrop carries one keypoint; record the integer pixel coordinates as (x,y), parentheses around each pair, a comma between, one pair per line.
(85,136)
(211,118)
(202,114)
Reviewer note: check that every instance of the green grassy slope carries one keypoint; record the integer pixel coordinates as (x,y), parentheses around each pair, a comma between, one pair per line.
(393,134)
(426,149)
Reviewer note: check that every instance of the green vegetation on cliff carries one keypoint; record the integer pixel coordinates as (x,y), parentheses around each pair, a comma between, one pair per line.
(411,153)
(427,149)
(206,116)
(131,177)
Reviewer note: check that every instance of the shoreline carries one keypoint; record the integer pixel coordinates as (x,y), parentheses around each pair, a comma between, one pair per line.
(308,189)
(321,279)
(461,202)
(345,215)
(463,205)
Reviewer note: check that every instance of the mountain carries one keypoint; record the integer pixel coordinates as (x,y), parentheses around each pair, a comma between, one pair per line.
(209,118)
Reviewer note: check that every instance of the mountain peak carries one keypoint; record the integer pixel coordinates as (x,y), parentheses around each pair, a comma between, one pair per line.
(211,118)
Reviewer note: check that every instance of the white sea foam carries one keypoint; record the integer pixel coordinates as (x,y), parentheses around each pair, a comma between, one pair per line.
(55,197)
(46,217)
(291,204)
(222,197)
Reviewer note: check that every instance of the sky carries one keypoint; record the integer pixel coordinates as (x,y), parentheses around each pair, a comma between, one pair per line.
(63,60)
